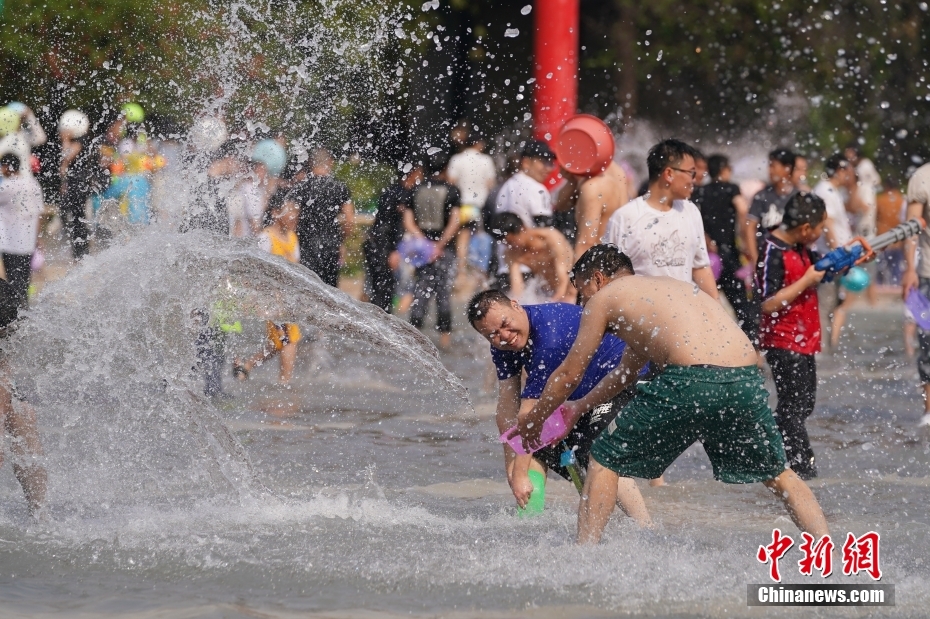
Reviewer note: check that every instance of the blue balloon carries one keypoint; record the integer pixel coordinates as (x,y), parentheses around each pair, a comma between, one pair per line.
(272,155)
(856,280)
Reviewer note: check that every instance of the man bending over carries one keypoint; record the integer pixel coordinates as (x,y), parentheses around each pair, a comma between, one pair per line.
(710,391)
(537,338)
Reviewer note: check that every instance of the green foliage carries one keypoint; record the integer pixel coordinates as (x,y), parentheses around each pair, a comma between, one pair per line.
(60,53)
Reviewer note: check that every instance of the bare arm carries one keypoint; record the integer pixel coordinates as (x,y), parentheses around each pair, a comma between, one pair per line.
(588,213)
(347,219)
(750,241)
(564,380)
(515,273)
(451,228)
(563,260)
(705,281)
(741,206)
(410,224)
(616,381)
(829,230)
(788,294)
(567,195)
(909,277)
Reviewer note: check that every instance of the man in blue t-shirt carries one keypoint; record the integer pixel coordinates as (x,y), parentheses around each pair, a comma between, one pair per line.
(536,338)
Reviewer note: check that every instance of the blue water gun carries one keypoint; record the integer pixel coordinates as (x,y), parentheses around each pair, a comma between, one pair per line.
(861,250)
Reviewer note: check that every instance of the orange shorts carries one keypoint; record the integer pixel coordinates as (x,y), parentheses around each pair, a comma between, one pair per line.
(282,334)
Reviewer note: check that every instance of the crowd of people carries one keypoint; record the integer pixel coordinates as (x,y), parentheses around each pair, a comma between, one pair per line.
(538,242)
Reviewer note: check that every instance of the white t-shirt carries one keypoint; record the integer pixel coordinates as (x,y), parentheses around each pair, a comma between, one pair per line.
(246,204)
(870,184)
(918,190)
(20,206)
(669,243)
(474,174)
(836,210)
(525,198)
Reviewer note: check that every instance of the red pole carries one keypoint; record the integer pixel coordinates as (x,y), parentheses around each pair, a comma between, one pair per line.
(556,72)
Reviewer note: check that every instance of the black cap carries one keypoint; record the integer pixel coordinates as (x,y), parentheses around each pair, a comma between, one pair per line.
(536,149)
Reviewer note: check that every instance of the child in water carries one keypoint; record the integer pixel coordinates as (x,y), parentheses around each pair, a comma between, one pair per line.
(790,327)
(280,238)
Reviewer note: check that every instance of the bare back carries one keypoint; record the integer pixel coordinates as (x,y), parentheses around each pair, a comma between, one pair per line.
(598,198)
(547,254)
(670,322)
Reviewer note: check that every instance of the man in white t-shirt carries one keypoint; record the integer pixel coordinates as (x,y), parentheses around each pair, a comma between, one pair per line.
(524,195)
(662,231)
(20,206)
(474,173)
(837,233)
(917,274)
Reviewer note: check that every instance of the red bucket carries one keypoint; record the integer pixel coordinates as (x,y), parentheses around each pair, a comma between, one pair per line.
(585,145)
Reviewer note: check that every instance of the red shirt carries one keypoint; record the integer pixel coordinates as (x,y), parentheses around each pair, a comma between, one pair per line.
(796,326)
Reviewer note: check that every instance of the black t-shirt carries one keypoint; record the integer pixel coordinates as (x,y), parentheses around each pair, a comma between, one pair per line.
(388,227)
(717,211)
(432,205)
(320,199)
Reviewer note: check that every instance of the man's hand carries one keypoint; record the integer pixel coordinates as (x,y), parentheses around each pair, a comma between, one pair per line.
(437,252)
(529,430)
(521,486)
(909,281)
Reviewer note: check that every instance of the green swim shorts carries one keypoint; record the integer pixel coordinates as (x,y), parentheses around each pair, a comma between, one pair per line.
(724,408)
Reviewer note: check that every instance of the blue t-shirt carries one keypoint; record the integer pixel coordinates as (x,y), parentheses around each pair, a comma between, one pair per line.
(553,329)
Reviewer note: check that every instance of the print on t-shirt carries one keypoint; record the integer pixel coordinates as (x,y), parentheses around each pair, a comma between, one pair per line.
(670,251)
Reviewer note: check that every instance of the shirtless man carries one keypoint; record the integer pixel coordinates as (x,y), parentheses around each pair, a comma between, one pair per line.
(544,251)
(595,199)
(710,390)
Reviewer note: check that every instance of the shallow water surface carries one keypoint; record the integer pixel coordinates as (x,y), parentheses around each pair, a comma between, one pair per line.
(371,487)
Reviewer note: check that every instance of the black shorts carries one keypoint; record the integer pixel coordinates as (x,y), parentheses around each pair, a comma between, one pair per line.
(583,434)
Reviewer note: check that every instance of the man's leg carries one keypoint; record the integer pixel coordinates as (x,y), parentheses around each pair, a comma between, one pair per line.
(800,502)
(603,489)
(445,275)
(422,292)
(26,448)
(288,357)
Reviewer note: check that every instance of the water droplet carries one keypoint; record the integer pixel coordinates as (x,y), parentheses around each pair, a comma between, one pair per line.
(526,10)
(885,105)
(512,33)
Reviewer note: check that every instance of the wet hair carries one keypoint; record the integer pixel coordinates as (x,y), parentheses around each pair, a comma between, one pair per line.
(437,162)
(854,147)
(716,164)
(10,160)
(608,259)
(835,163)
(506,223)
(803,208)
(481,304)
(783,156)
(668,153)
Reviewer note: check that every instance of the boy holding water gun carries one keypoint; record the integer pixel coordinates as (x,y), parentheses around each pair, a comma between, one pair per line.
(790,328)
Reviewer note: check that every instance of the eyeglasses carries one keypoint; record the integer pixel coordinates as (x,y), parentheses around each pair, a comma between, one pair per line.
(693,173)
